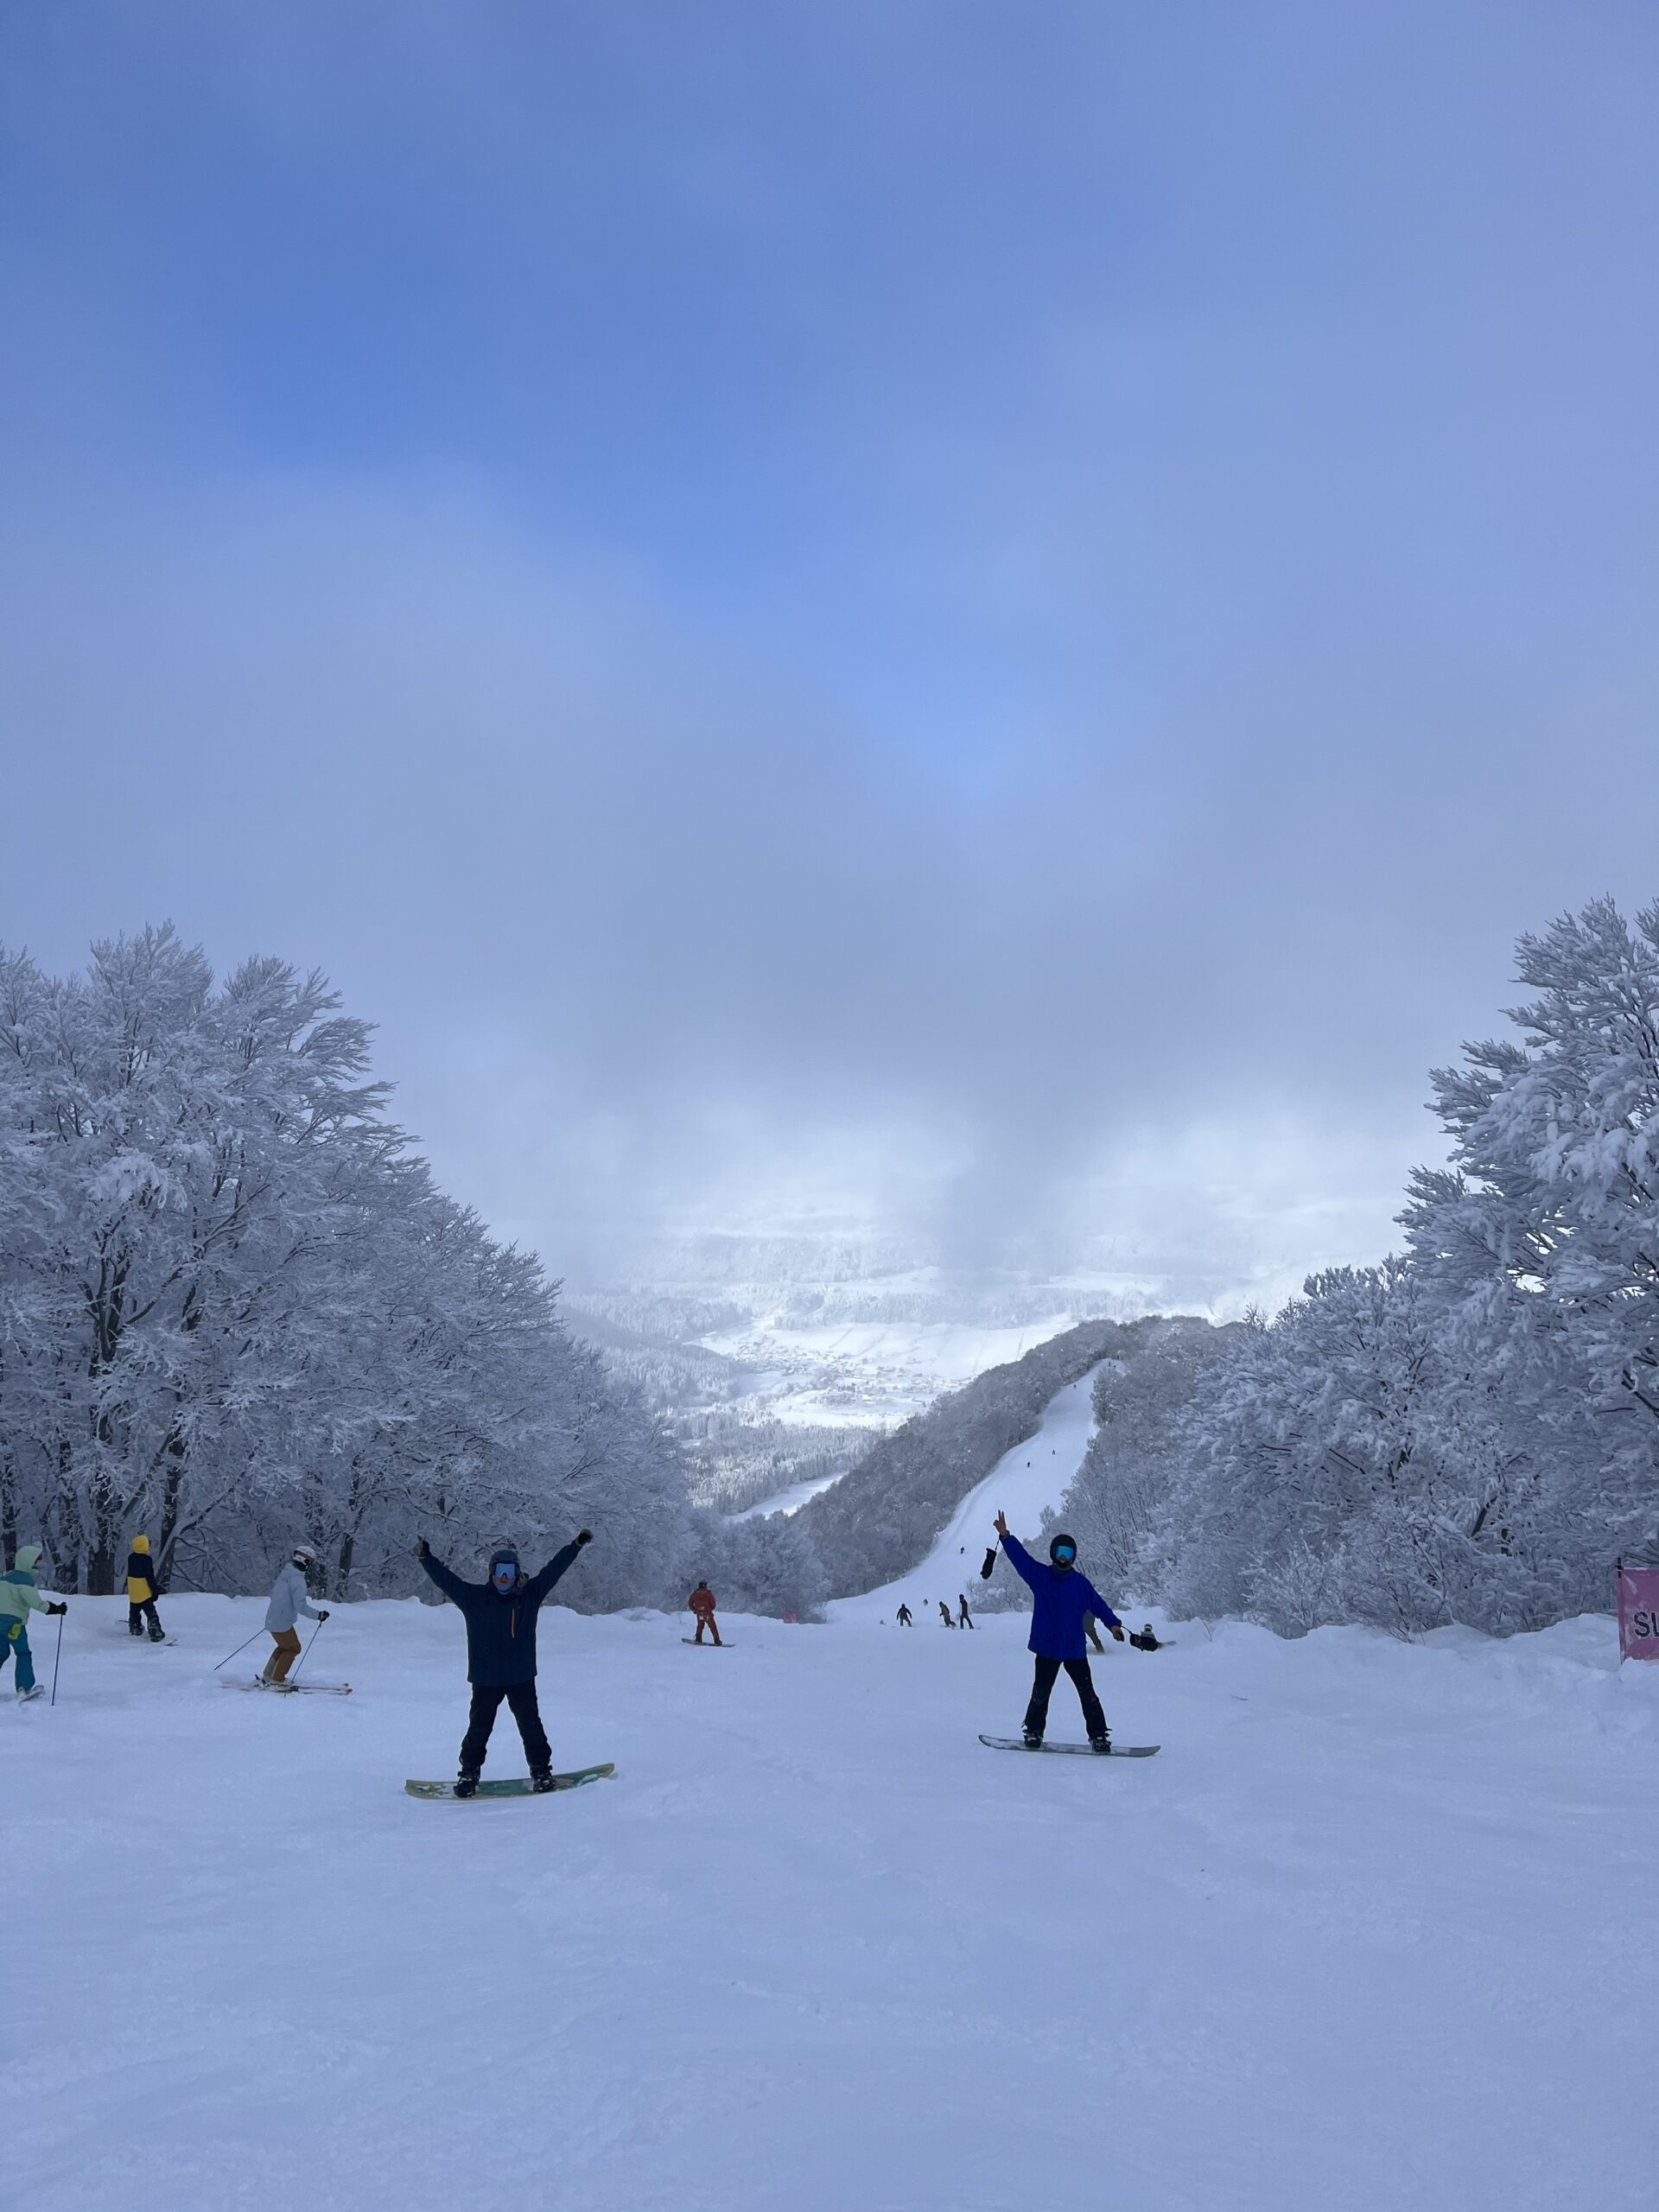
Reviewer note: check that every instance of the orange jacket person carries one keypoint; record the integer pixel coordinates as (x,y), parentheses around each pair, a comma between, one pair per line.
(702,1602)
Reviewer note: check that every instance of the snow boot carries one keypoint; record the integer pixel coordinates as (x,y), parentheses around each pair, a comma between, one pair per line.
(1033,1741)
(135,1628)
(466,1783)
(540,1779)
(1102,1743)
(32,1691)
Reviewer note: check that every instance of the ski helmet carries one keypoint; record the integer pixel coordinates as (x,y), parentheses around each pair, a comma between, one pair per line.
(1061,1543)
(302,1555)
(506,1555)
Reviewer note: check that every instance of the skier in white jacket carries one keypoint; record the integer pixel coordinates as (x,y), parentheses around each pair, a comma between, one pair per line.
(289,1601)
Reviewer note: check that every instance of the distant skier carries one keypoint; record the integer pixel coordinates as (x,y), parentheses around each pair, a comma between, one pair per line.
(1146,1641)
(291,1601)
(944,1614)
(702,1602)
(904,1615)
(19,1597)
(141,1593)
(966,1621)
(1060,1598)
(500,1616)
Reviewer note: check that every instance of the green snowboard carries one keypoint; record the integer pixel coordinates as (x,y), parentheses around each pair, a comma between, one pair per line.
(519,1787)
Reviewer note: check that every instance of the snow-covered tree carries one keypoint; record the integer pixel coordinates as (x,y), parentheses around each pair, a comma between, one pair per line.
(235,1309)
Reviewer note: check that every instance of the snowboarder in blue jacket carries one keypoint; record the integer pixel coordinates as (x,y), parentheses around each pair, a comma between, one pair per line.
(500,1617)
(1062,1598)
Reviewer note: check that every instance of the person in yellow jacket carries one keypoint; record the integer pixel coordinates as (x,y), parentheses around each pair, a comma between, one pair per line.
(141,1591)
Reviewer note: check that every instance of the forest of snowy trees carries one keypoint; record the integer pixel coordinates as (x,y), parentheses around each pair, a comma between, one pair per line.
(235,1310)
(1470,1430)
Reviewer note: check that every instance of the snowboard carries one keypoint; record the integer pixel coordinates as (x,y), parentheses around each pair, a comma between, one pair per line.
(725,1645)
(518,1787)
(1117,1751)
(287,1689)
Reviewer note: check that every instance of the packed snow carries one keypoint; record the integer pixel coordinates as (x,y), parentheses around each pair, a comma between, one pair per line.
(1373,1931)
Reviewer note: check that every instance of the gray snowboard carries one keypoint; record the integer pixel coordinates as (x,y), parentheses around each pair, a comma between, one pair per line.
(518,1786)
(1084,1750)
(725,1644)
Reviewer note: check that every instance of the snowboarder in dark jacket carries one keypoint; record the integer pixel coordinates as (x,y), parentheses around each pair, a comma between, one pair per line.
(904,1615)
(944,1614)
(1061,1600)
(967,1618)
(500,1617)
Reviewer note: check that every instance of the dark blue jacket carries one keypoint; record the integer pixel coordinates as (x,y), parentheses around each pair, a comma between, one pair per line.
(1058,1604)
(500,1631)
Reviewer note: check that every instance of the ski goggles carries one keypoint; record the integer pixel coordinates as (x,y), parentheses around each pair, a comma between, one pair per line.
(504,1577)
(1066,1553)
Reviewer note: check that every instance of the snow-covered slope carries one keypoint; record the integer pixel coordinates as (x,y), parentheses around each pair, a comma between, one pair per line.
(1025,1480)
(1373,1932)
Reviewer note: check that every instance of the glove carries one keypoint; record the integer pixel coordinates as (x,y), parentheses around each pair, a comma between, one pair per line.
(57,1609)
(422,1549)
(990,1567)
(584,1535)
(323,1612)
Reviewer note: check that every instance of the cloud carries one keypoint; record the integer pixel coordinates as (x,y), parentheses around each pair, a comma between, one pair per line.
(998,637)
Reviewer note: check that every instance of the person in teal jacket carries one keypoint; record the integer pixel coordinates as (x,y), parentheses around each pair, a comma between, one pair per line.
(19,1597)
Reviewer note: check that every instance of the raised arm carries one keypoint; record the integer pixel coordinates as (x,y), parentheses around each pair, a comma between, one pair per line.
(451,1585)
(1024,1566)
(541,1583)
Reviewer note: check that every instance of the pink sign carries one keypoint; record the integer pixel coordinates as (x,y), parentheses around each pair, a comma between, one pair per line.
(1638,1612)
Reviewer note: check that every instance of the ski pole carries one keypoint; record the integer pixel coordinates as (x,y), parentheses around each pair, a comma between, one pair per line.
(56,1657)
(229,1655)
(306,1654)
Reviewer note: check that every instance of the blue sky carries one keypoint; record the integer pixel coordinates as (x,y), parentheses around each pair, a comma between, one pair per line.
(995,614)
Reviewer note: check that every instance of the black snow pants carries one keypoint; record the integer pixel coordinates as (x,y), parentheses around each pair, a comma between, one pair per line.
(486,1703)
(1048,1673)
(138,1612)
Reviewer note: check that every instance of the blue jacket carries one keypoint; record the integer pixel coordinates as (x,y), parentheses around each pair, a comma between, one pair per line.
(1058,1604)
(500,1631)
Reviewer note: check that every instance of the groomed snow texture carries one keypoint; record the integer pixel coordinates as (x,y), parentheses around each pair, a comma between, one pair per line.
(1375,1932)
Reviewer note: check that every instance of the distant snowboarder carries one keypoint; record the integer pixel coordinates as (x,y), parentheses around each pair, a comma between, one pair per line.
(19,1597)
(702,1602)
(500,1616)
(291,1601)
(1060,1598)
(944,1614)
(966,1621)
(141,1593)
(1093,1633)
(1146,1641)
(904,1615)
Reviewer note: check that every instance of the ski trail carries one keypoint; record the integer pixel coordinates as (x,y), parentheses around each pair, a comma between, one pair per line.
(1033,1475)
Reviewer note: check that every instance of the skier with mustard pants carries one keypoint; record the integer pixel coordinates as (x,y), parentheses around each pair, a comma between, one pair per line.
(290,1600)
(1060,1598)
(19,1597)
(500,1617)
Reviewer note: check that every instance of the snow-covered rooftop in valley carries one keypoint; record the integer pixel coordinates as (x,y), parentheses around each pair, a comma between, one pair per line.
(1370,1931)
